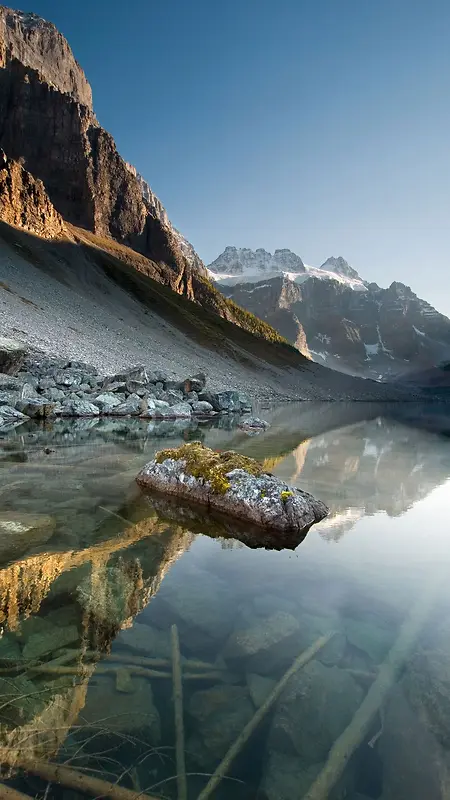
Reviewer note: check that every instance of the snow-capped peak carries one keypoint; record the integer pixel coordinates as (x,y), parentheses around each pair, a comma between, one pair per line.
(242,265)
(341,267)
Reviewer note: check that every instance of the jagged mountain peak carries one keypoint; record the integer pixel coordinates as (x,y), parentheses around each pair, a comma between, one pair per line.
(244,261)
(39,45)
(341,267)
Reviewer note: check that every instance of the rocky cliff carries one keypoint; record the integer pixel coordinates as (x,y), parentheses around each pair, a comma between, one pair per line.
(48,123)
(24,202)
(334,316)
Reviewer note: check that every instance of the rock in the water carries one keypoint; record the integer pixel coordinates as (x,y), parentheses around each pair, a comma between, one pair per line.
(369,638)
(146,640)
(259,687)
(266,644)
(127,712)
(220,713)
(286,777)
(12,356)
(235,485)
(228,401)
(200,604)
(313,710)
(39,644)
(12,415)
(20,532)
(254,424)
(124,681)
(36,408)
(415,765)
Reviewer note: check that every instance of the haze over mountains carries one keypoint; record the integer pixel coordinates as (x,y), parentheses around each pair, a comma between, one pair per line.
(332,315)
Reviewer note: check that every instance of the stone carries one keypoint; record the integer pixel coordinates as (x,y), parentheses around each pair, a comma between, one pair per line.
(133,406)
(196,383)
(324,699)
(124,681)
(220,713)
(68,379)
(55,395)
(9,648)
(11,383)
(36,408)
(253,424)
(173,396)
(76,407)
(31,626)
(236,485)
(266,645)
(29,392)
(13,415)
(20,532)
(259,687)
(245,402)
(369,638)
(24,701)
(129,713)
(46,383)
(227,401)
(181,410)
(12,356)
(202,407)
(286,777)
(145,640)
(415,766)
(201,604)
(192,397)
(9,398)
(107,402)
(40,644)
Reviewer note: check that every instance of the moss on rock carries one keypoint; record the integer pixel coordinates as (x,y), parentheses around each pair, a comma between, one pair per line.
(212,466)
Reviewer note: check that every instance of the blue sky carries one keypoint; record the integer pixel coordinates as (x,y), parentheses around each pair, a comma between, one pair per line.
(318,125)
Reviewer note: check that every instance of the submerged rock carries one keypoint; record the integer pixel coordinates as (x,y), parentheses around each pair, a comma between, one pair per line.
(285,777)
(123,712)
(220,713)
(20,532)
(266,645)
(234,484)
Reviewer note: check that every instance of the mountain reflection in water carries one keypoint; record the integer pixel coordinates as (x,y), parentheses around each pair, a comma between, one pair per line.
(88,599)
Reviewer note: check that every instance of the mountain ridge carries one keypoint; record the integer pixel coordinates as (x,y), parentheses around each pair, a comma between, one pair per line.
(340,320)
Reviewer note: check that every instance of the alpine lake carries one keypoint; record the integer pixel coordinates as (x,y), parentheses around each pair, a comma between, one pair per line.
(142,644)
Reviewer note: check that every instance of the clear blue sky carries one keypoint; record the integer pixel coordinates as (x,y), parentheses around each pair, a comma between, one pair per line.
(318,125)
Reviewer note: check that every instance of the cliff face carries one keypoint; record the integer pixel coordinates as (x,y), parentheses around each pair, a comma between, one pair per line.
(24,202)
(39,45)
(48,123)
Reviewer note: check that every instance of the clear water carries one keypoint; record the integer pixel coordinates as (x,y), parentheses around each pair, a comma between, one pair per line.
(89,597)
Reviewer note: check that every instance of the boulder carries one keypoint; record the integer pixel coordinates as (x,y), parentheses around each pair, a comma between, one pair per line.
(316,706)
(253,424)
(46,383)
(195,383)
(133,406)
(106,402)
(55,395)
(202,407)
(68,378)
(286,777)
(53,638)
(265,645)
(123,712)
(11,415)
(12,356)
(36,408)
(202,605)
(138,373)
(245,402)
(145,640)
(259,687)
(219,714)
(9,398)
(236,485)
(368,637)
(20,532)
(181,410)
(77,407)
(227,401)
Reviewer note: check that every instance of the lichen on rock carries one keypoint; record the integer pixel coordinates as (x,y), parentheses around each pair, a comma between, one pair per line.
(234,484)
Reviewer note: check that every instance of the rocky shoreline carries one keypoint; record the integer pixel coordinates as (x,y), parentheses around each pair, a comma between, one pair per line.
(43,388)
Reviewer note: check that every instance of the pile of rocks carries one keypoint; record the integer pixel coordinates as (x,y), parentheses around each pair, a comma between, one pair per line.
(45,387)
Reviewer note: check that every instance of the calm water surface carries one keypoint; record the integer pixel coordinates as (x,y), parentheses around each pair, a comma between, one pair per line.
(94,576)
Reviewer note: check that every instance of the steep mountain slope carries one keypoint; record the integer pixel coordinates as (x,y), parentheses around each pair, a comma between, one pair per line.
(332,315)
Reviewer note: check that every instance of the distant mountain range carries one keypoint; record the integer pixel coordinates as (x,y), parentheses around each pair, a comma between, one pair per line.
(332,315)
